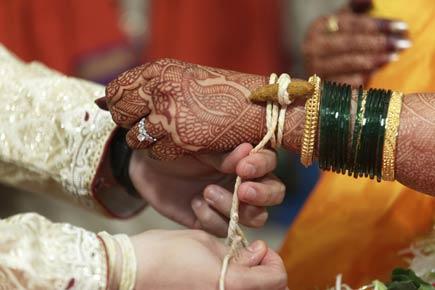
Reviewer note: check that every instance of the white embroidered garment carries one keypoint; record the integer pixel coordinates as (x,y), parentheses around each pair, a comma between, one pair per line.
(53,137)
(39,255)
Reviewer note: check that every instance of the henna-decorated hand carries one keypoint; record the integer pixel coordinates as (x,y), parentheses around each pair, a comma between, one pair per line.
(361,45)
(189,108)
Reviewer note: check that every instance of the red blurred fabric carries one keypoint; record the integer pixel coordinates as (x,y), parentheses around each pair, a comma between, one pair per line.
(244,35)
(59,33)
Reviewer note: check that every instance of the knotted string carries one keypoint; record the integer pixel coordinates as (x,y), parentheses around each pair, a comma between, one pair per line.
(275,117)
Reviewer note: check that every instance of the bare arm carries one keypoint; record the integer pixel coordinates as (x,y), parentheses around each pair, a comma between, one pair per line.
(191,109)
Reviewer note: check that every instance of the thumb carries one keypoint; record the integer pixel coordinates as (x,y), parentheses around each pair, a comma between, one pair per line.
(252,255)
(227,162)
(270,274)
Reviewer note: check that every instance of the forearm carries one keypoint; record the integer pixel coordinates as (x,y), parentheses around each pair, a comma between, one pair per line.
(38,254)
(55,140)
(416,143)
(415,156)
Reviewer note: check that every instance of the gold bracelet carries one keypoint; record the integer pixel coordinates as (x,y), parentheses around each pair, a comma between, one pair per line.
(390,140)
(311,123)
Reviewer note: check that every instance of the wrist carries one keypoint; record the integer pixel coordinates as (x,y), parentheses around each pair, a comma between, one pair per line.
(121,156)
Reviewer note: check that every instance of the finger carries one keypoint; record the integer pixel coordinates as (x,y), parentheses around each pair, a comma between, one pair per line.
(257,164)
(252,255)
(351,63)
(128,95)
(130,108)
(355,80)
(270,274)
(268,191)
(208,219)
(166,149)
(102,103)
(355,43)
(226,163)
(142,139)
(356,24)
(220,199)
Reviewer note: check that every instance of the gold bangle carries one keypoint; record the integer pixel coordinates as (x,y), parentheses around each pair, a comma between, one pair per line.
(390,139)
(311,123)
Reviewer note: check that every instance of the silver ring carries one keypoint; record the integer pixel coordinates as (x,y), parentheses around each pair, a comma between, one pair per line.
(143,134)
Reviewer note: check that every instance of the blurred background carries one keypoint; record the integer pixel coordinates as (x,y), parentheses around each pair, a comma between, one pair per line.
(96,40)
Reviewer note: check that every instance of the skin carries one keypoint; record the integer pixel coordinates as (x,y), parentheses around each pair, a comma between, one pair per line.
(362,45)
(197,191)
(195,109)
(191,260)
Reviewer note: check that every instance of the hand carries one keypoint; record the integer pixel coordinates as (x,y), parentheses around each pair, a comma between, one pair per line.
(191,260)
(196,191)
(361,45)
(193,109)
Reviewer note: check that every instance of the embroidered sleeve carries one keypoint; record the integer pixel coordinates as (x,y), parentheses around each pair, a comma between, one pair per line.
(53,138)
(37,254)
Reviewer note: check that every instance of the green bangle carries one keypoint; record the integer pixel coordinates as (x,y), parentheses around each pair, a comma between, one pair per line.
(334,129)
(347,128)
(322,126)
(356,132)
(339,129)
(365,135)
(378,98)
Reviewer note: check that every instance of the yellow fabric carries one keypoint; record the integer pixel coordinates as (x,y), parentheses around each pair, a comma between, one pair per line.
(357,227)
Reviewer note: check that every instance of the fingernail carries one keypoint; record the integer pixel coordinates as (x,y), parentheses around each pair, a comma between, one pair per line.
(392,26)
(251,193)
(398,44)
(386,58)
(261,218)
(402,44)
(197,203)
(255,246)
(212,195)
(392,57)
(249,169)
(398,26)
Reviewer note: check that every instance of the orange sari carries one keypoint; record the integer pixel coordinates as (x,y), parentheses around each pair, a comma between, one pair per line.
(357,227)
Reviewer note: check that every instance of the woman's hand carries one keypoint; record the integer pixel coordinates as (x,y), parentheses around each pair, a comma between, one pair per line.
(348,47)
(191,260)
(196,191)
(188,108)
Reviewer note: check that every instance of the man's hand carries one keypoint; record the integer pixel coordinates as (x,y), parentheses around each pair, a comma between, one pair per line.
(196,191)
(191,260)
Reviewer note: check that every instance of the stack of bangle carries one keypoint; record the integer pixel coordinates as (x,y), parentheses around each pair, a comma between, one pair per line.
(369,148)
